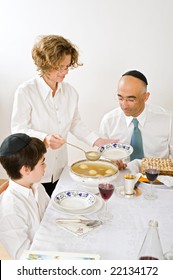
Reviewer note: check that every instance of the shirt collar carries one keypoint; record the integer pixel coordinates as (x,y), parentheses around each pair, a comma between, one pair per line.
(45,89)
(141,118)
(20,189)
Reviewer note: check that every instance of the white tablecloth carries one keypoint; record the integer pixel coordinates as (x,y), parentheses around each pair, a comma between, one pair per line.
(120,239)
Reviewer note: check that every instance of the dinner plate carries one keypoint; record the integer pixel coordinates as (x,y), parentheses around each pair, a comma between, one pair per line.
(94,208)
(74,200)
(115,151)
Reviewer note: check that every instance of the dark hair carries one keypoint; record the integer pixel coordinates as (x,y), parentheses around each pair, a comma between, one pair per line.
(28,156)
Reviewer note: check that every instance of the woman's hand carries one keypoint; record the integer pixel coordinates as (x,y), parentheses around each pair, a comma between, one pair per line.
(54,141)
(102,141)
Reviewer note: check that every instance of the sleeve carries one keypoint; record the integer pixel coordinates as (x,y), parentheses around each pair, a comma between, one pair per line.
(103,128)
(80,130)
(21,115)
(14,235)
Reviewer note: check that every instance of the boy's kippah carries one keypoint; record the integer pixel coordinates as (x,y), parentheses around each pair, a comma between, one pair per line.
(137,75)
(14,143)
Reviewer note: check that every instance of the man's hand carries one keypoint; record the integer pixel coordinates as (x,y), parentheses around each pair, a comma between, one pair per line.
(101,141)
(121,165)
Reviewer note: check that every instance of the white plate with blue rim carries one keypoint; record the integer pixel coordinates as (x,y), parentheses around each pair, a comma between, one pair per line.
(90,210)
(115,151)
(74,200)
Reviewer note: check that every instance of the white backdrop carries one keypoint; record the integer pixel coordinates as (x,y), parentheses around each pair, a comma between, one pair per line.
(113,36)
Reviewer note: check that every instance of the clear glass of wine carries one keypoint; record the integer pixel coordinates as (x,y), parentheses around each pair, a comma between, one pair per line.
(106,190)
(151,171)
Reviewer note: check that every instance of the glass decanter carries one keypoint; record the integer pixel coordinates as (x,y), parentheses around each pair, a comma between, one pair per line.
(151,248)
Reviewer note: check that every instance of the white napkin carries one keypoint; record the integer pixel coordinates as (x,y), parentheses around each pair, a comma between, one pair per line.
(135,165)
(166,180)
(78,229)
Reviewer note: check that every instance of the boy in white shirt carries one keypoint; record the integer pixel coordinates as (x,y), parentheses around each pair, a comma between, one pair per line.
(23,203)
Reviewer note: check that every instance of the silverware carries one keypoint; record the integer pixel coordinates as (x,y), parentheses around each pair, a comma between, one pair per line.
(90,155)
(89,223)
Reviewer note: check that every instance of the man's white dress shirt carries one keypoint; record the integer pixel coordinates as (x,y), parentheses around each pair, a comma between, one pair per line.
(21,211)
(37,113)
(155,124)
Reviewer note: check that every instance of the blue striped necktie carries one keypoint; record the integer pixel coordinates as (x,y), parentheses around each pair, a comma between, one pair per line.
(136,142)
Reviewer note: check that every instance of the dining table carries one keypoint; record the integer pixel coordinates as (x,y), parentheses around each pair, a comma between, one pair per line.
(119,239)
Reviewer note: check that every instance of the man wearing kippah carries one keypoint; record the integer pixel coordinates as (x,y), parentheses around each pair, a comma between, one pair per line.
(153,123)
(23,203)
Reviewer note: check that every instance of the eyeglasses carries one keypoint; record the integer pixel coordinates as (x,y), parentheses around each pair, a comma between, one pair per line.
(127,99)
(62,69)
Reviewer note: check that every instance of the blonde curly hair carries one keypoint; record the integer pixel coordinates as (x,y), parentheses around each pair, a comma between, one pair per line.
(50,50)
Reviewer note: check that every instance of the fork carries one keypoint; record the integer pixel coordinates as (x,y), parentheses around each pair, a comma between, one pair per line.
(89,223)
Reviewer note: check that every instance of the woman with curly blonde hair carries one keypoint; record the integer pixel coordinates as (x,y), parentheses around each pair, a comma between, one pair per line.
(47,108)
(50,51)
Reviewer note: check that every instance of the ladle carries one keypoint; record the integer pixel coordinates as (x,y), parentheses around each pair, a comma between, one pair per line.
(90,155)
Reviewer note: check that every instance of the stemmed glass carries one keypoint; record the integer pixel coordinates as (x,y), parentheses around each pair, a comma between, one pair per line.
(106,191)
(151,171)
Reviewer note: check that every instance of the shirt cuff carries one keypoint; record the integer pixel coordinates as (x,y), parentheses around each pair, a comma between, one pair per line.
(91,138)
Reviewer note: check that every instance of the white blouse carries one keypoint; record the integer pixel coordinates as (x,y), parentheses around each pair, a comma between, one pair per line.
(38,114)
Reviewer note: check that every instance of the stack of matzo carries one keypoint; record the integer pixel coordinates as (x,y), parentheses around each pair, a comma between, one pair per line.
(165,165)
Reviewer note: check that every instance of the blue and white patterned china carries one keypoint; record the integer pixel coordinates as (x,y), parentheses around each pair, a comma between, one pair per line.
(75,200)
(115,151)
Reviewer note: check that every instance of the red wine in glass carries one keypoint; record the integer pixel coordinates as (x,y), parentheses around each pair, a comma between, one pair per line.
(106,190)
(151,171)
(151,174)
(147,258)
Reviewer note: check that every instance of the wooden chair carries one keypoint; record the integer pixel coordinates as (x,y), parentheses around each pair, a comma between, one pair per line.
(3,185)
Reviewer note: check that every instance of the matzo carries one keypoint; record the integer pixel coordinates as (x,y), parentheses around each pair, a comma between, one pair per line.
(165,165)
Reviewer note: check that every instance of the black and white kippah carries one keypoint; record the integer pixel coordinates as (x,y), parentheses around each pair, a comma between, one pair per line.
(14,143)
(137,75)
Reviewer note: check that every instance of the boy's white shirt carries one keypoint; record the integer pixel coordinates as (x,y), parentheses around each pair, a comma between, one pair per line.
(21,211)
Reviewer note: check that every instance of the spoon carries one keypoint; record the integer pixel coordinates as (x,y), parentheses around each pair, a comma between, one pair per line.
(90,155)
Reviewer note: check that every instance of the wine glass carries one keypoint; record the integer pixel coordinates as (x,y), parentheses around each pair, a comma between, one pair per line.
(106,190)
(151,171)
